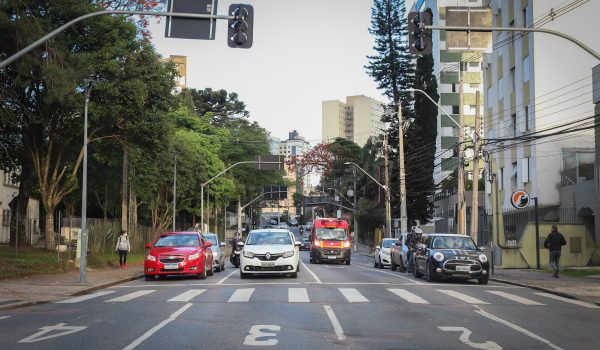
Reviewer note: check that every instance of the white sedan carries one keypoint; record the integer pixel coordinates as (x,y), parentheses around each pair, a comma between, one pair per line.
(270,251)
(382,255)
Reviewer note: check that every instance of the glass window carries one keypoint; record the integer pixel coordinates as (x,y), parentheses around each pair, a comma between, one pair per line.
(211,237)
(262,237)
(178,241)
(331,234)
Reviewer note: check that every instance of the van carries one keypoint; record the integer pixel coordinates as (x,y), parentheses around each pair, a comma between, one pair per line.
(330,241)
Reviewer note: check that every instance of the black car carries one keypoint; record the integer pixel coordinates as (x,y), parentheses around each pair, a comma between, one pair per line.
(451,256)
(305,243)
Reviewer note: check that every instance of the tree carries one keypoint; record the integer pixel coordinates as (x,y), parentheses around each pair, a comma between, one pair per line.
(420,151)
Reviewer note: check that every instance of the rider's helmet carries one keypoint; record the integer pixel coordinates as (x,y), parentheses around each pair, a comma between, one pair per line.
(417,231)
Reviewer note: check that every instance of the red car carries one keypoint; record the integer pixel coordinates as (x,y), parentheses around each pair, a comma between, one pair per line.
(179,253)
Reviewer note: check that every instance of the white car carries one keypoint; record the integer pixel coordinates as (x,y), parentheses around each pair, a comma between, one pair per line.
(270,251)
(382,255)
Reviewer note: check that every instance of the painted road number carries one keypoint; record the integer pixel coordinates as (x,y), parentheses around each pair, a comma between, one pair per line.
(258,331)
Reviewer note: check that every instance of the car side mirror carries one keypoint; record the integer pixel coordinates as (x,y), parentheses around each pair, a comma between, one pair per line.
(222,244)
(148,246)
(481,249)
(207,244)
(297,244)
(240,244)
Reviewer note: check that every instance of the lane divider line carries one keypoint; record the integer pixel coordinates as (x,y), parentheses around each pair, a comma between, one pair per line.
(154,329)
(337,327)
(312,273)
(226,277)
(388,273)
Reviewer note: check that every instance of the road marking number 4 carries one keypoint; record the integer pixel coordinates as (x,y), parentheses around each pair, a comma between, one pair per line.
(258,331)
(464,338)
(60,327)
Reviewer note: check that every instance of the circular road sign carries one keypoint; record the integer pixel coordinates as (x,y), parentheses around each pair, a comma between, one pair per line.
(520,199)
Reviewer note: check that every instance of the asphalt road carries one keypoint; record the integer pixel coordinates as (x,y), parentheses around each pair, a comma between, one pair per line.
(328,306)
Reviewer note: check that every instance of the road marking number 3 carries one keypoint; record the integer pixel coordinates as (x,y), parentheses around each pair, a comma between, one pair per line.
(258,331)
(464,338)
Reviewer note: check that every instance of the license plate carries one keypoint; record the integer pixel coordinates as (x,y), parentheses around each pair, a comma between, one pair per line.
(332,257)
(463,268)
(171,266)
(268,264)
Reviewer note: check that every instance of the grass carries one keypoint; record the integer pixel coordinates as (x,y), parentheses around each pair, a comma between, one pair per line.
(29,261)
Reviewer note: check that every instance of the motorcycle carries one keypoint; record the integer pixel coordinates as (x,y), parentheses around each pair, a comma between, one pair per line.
(236,250)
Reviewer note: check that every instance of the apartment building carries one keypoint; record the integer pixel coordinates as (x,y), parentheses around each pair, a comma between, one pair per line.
(357,119)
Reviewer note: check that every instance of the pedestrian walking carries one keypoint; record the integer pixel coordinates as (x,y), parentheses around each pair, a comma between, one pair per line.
(123,247)
(554,243)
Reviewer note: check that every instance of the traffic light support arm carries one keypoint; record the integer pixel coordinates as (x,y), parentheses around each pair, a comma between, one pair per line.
(513,29)
(58,30)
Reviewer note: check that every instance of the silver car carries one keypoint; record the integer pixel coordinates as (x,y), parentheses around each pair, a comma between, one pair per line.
(218,251)
(382,253)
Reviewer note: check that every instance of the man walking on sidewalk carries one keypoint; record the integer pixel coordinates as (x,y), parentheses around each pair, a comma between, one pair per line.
(554,243)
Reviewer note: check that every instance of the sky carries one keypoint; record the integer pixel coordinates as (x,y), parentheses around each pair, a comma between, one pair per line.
(304,52)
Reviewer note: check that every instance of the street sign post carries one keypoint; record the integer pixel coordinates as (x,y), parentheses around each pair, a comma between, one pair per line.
(191,28)
(468,40)
(268,162)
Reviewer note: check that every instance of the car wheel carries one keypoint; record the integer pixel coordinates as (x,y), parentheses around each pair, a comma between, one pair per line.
(294,275)
(348,262)
(401,267)
(298,267)
(211,271)
(223,266)
(393,266)
(149,277)
(484,280)
(203,274)
(218,268)
(430,273)
(312,261)
(416,272)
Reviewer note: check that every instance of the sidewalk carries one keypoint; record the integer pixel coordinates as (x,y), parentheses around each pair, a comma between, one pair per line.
(40,289)
(580,288)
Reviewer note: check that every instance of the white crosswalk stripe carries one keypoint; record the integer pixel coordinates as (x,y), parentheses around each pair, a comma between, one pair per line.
(241,295)
(408,296)
(353,295)
(188,295)
(85,297)
(514,298)
(572,301)
(298,295)
(461,296)
(4,317)
(131,296)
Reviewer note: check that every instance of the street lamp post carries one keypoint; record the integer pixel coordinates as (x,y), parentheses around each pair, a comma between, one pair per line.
(216,176)
(174,190)
(83,249)
(388,213)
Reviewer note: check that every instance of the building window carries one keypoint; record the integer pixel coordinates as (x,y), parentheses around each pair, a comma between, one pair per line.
(455,110)
(475,64)
(454,88)
(525,170)
(526,118)
(6,217)
(501,180)
(526,69)
(514,175)
(501,88)
(513,120)
(512,79)
(511,35)
(524,17)
(578,166)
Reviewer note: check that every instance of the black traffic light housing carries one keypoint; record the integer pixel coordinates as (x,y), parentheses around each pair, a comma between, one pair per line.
(239,33)
(419,39)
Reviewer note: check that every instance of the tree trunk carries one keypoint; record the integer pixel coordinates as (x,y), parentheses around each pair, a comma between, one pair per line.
(49,225)
(124,212)
(18,206)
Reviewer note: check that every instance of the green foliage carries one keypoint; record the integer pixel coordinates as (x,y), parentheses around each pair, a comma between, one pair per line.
(28,261)
(369,216)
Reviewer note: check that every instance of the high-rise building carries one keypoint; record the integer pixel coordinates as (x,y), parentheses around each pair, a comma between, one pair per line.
(535,83)
(356,120)
(181,66)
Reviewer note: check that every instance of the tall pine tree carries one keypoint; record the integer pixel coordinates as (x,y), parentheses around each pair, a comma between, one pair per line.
(420,151)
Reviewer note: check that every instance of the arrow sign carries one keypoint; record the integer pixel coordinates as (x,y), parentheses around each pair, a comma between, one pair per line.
(44,330)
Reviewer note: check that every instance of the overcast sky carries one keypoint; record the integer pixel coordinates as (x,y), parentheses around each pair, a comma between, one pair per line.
(304,52)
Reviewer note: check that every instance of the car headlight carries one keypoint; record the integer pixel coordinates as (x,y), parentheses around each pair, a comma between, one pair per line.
(215,254)
(150,257)
(483,258)
(248,254)
(288,254)
(385,252)
(194,256)
(438,256)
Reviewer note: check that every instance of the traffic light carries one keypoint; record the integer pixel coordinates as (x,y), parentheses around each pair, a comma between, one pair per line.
(418,39)
(239,34)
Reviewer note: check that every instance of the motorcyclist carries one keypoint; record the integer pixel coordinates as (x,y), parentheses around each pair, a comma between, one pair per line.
(412,239)
(234,258)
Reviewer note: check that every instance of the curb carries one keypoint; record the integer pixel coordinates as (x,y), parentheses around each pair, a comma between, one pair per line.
(549,291)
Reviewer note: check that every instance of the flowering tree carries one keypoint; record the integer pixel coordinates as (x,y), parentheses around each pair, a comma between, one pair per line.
(318,159)
(135,5)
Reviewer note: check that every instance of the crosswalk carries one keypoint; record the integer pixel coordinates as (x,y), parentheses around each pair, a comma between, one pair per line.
(349,295)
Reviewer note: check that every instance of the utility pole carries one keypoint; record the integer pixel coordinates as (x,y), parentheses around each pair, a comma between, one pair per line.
(461,160)
(403,217)
(174,190)
(388,209)
(475,199)
(355,210)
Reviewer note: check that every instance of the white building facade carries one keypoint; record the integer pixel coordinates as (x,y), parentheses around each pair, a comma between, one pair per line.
(357,119)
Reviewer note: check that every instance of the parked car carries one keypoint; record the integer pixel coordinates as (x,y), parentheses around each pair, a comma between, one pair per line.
(283,225)
(305,243)
(270,251)
(218,251)
(179,253)
(381,257)
(293,222)
(398,253)
(451,256)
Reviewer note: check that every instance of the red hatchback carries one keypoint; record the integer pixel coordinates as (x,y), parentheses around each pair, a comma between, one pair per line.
(179,253)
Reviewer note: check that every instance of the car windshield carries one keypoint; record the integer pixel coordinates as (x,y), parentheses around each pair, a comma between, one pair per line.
(257,238)
(386,243)
(178,241)
(305,239)
(212,238)
(450,242)
(331,234)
